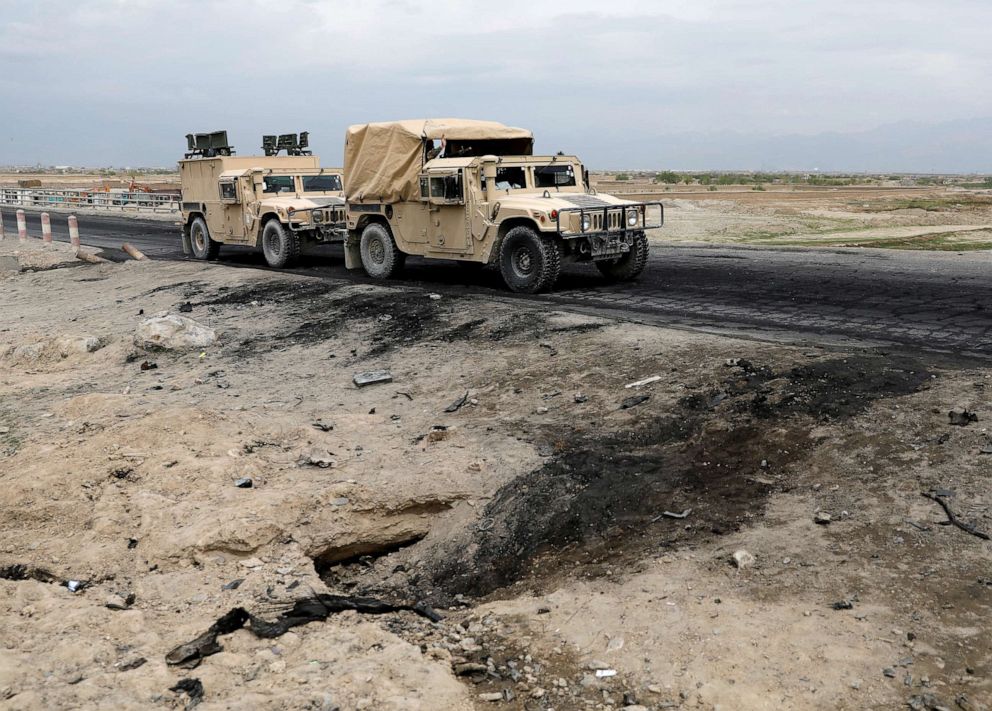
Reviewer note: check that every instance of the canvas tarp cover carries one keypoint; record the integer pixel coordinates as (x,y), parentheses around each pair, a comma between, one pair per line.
(382,161)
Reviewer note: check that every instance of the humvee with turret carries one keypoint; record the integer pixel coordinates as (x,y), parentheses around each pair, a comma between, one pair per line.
(276,203)
(473,191)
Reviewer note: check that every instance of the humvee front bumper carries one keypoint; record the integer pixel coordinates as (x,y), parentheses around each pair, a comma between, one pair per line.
(326,223)
(575,222)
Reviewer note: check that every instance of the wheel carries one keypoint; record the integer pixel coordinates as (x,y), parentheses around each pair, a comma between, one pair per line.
(280,246)
(199,240)
(529,263)
(630,265)
(381,257)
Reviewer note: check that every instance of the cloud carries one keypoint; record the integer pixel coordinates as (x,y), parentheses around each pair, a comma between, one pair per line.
(116,81)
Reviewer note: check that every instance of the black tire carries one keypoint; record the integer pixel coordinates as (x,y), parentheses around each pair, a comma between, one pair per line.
(200,243)
(381,258)
(529,262)
(629,266)
(280,246)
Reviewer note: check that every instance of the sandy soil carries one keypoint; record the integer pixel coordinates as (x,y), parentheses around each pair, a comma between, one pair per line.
(901,219)
(532,517)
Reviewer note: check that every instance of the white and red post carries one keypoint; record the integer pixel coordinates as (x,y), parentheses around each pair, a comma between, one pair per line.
(2,235)
(46,228)
(74,232)
(22,226)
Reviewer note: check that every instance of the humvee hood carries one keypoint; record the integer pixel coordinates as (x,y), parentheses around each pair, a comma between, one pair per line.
(556,201)
(382,160)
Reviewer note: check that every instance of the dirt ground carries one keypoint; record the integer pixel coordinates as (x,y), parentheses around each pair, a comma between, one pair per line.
(896,218)
(745,531)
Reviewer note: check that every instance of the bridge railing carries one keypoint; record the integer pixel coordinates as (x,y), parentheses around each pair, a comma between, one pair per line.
(100,200)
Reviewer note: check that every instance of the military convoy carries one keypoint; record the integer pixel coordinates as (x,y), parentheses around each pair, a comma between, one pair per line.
(276,203)
(470,191)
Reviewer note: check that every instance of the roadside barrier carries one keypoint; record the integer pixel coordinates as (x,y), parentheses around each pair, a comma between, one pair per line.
(74,232)
(46,228)
(2,235)
(22,226)
(97,200)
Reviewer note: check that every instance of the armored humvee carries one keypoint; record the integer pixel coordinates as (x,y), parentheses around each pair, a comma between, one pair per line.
(473,191)
(274,203)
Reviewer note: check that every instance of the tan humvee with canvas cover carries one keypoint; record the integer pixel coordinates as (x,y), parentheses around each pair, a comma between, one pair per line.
(274,203)
(473,191)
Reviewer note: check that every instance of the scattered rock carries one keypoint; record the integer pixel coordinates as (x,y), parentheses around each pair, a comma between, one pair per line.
(822,518)
(172,332)
(581,398)
(843,605)
(596,665)
(372,377)
(233,585)
(244,482)
(148,365)
(743,559)
(319,458)
(491,696)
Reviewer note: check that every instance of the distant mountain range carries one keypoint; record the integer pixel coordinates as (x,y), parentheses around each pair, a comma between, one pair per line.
(963,146)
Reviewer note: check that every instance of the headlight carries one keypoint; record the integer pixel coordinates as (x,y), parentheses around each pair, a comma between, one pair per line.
(586,223)
(318,216)
(632,218)
(291,211)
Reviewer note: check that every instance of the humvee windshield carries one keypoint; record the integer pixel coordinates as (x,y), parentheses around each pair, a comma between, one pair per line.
(321,183)
(554,176)
(510,178)
(279,184)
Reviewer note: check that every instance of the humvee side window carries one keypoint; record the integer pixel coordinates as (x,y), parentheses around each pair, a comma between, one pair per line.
(554,176)
(321,183)
(279,184)
(228,191)
(446,188)
(510,178)
(424,194)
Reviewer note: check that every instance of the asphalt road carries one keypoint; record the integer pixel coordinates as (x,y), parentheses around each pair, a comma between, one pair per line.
(921,300)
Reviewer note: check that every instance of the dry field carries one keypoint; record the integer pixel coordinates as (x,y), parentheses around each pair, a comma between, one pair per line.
(746,530)
(882,217)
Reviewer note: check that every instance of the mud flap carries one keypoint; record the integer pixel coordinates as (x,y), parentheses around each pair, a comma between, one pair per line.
(352,251)
(187,249)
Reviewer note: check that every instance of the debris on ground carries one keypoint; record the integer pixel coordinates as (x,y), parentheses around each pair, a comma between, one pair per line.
(939,495)
(822,518)
(645,381)
(372,377)
(962,417)
(457,404)
(316,608)
(843,605)
(634,401)
(192,689)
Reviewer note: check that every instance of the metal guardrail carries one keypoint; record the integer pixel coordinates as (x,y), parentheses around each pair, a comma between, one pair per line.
(122,200)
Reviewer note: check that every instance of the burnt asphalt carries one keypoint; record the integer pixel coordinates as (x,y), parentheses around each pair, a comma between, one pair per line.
(921,300)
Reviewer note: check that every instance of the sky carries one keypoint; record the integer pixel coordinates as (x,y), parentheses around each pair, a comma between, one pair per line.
(653,84)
